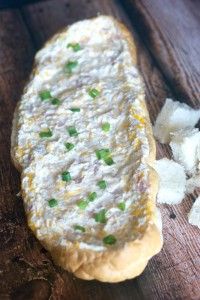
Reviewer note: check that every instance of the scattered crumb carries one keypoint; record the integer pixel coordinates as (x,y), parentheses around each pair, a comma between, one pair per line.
(172,215)
(192,184)
(185,145)
(172,181)
(194,214)
(174,116)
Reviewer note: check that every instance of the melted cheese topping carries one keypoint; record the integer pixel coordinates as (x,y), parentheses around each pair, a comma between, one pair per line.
(103,63)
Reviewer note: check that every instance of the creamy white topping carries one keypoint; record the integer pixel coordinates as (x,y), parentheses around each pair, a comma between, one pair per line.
(104,63)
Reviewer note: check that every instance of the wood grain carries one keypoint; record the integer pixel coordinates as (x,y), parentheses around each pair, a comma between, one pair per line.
(28,272)
(170,30)
(15,4)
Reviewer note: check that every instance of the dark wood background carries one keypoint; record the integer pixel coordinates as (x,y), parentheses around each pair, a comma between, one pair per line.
(167,34)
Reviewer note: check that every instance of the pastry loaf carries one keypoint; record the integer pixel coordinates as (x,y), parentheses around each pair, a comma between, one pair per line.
(83,142)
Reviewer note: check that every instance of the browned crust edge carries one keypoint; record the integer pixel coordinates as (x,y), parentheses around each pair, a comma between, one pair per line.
(112,265)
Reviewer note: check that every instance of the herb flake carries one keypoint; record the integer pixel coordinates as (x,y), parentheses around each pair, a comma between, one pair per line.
(69,146)
(79,228)
(105,155)
(93,93)
(46,133)
(105,127)
(70,66)
(45,95)
(75,109)
(75,46)
(82,204)
(92,196)
(101,216)
(55,101)
(122,206)
(52,202)
(72,131)
(66,176)
(102,184)
(109,239)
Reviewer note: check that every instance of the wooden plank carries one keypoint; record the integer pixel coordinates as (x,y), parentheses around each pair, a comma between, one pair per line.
(170,30)
(15,4)
(173,274)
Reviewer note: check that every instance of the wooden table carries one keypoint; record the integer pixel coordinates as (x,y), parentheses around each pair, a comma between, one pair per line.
(167,33)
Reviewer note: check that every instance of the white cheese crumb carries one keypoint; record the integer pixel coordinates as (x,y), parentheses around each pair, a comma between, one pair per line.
(172,117)
(185,147)
(194,214)
(172,181)
(193,183)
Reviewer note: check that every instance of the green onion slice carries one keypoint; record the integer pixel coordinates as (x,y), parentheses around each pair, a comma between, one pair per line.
(92,196)
(45,95)
(105,155)
(93,93)
(75,46)
(109,161)
(69,146)
(55,101)
(75,109)
(102,184)
(79,228)
(52,202)
(69,66)
(82,204)
(122,206)
(66,176)
(45,134)
(105,126)
(109,239)
(72,131)
(101,216)
(102,153)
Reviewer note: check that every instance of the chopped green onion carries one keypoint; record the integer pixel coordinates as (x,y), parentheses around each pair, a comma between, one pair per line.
(109,161)
(102,184)
(72,131)
(105,127)
(75,46)
(52,202)
(80,228)
(93,93)
(122,206)
(69,146)
(82,204)
(45,134)
(75,109)
(55,101)
(105,155)
(102,153)
(66,176)
(92,196)
(44,95)
(70,65)
(101,216)
(109,239)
